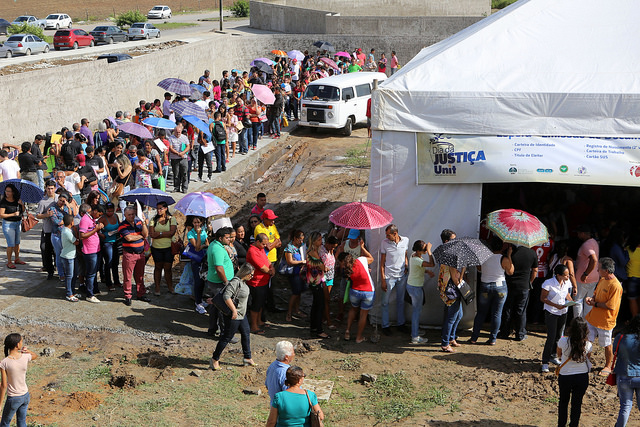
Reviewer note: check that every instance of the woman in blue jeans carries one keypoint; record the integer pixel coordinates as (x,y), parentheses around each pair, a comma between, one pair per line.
(415,285)
(492,291)
(11,211)
(627,369)
(14,383)
(453,308)
(109,251)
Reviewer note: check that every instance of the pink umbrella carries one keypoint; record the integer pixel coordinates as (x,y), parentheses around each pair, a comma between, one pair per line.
(361,215)
(136,129)
(329,62)
(517,227)
(344,55)
(263,94)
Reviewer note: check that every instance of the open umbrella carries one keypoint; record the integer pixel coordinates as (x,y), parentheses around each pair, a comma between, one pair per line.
(263,66)
(295,54)
(29,192)
(175,85)
(518,227)
(114,124)
(197,87)
(147,196)
(156,122)
(186,108)
(199,124)
(263,94)
(360,215)
(265,60)
(329,62)
(462,252)
(136,129)
(277,52)
(324,45)
(201,204)
(343,54)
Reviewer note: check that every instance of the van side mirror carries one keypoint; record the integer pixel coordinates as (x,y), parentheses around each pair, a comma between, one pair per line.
(347,98)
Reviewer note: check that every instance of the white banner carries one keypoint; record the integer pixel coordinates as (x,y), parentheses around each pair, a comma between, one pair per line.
(458,159)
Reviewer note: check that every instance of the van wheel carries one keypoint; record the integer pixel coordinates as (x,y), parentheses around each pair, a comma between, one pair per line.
(348,127)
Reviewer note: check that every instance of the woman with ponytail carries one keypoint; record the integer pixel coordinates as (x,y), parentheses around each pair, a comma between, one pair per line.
(14,382)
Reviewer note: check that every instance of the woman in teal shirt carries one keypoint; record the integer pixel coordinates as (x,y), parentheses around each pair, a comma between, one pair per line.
(199,241)
(291,407)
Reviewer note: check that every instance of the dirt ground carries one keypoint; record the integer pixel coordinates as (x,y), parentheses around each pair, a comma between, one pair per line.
(121,379)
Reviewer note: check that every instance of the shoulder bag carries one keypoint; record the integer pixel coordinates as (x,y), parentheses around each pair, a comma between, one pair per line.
(314,416)
(284,268)
(467,294)
(611,379)
(28,222)
(219,302)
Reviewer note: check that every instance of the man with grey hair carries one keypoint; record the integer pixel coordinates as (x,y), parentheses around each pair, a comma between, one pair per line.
(277,371)
(605,305)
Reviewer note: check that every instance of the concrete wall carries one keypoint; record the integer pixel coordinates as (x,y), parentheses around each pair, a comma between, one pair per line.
(46,100)
(286,19)
(395,7)
(434,28)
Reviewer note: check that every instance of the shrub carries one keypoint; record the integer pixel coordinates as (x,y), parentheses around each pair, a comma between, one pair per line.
(130,17)
(26,29)
(501,4)
(240,8)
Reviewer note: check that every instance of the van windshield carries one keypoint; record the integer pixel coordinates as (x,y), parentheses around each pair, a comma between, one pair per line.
(323,92)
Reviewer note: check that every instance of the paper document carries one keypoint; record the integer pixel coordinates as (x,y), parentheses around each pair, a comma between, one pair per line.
(139,213)
(208,148)
(572,303)
(160,145)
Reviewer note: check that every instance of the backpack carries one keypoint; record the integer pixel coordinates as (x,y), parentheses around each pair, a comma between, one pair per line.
(219,132)
(67,151)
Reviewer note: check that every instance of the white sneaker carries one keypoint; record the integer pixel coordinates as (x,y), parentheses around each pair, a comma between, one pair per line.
(93,299)
(419,340)
(556,361)
(207,179)
(200,309)
(545,368)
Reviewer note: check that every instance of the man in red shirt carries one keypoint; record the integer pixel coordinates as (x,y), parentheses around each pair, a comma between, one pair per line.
(360,57)
(261,202)
(369,118)
(259,283)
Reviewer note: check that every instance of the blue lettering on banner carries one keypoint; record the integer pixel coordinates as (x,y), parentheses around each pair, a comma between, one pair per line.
(445,158)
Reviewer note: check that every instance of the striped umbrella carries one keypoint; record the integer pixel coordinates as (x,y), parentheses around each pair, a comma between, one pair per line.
(186,108)
(175,85)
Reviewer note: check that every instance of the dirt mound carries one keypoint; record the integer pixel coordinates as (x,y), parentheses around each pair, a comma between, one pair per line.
(124,380)
(83,401)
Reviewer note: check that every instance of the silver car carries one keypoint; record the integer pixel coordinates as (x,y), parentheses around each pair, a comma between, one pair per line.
(25,19)
(142,30)
(25,44)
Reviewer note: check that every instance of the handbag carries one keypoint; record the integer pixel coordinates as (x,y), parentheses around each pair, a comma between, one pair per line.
(28,222)
(611,379)
(284,268)
(219,303)
(314,416)
(467,294)
(560,367)
(191,253)
(177,246)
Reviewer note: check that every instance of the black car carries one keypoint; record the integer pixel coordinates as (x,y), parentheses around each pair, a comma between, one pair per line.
(114,57)
(4,24)
(108,34)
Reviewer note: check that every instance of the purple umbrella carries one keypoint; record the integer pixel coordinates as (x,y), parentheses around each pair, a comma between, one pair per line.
(136,129)
(174,85)
(114,124)
(186,108)
(201,204)
(265,60)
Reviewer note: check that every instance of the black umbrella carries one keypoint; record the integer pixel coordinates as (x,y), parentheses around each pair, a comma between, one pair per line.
(263,66)
(323,45)
(462,252)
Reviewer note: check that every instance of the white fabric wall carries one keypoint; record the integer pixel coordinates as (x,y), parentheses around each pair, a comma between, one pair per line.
(419,211)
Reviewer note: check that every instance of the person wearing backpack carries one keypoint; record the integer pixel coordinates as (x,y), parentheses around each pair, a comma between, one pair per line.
(220,139)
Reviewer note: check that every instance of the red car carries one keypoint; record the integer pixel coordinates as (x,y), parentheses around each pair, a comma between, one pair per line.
(72,38)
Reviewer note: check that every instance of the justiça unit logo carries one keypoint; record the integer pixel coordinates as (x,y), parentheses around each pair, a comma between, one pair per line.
(446,159)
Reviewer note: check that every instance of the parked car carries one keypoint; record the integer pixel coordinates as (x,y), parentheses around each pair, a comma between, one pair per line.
(73,38)
(159,12)
(25,19)
(24,44)
(142,30)
(108,34)
(56,21)
(4,24)
(114,57)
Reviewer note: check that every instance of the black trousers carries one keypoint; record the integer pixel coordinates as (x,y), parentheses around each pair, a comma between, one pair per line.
(48,255)
(317,309)
(572,387)
(514,313)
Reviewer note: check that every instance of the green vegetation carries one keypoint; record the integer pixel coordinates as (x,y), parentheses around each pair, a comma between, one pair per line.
(29,29)
(174,25)
(130,17)
(240,8)
(358,156)
(349,363)
(501,4)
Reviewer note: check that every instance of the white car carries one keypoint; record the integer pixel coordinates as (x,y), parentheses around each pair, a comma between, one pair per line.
(25,19)
(56,21)
(159,12)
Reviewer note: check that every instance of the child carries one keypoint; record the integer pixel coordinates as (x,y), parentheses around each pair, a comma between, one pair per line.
(68,256)
(14,383)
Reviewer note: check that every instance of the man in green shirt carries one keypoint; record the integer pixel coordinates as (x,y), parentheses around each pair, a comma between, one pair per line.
(354,67)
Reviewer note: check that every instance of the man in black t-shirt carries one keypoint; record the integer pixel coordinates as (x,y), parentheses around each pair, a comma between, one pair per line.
(514,312)
(28,163)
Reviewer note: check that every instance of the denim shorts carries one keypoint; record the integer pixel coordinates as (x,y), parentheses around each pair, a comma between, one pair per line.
(361,299)
(163,255)
(633,287)
(11,231)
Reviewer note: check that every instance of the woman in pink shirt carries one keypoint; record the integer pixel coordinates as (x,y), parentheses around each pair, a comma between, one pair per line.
(14,380)
(88,231)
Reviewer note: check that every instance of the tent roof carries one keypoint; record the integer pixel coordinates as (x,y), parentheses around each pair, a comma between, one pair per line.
(540,67)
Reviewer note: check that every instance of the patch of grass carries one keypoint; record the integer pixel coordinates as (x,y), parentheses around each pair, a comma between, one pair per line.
(501,4)
(349,363)
(358,156)
(551,399)
(174,25)
(102,371)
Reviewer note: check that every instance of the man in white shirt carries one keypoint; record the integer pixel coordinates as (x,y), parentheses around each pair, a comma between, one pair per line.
(394,267)
(9,169)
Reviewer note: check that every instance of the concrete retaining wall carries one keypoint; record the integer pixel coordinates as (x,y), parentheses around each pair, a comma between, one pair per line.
(388,8)
(287,19)
(435,28)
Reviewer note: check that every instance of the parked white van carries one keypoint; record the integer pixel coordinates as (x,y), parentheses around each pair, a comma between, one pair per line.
(338,102)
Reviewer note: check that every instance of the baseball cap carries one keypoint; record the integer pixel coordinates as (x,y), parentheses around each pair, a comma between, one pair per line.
(269,214)
(82,160)
(354,233)
(68,135)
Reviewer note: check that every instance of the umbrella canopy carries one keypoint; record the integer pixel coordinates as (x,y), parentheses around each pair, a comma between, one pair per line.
(29,192)
(323,45)
(361,215)
(174,85)
(343,54)
(197,87)
(295,54)
(114,124)
(202,204)
(147,196)
(136,129)
(518,227)
(199,124)
(462,252)
(265,60)
(263,94)
(186,108)
(277,52)
(156,122)
(263,66)
(329,62)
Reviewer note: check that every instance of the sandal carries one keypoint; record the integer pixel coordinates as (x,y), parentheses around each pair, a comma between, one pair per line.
(361,340)
(333,327)
(19,262)
(323,335)
(605,372)
(454,343)
(448,349)
(300,315)
(10,265)
(72,298)
(258,332)
(288,318)
(347,336)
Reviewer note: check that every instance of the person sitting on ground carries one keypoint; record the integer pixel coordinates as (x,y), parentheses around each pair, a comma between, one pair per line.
(277,371)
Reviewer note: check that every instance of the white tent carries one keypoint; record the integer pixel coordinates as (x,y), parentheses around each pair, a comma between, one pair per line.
(540,71)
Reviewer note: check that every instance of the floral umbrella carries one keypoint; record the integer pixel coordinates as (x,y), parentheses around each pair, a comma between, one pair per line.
(518,227)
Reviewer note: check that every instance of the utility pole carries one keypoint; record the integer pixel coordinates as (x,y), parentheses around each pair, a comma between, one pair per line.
(220,15)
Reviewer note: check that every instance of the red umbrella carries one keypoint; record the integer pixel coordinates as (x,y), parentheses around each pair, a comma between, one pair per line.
(263,94)
(518,227)
(361,215)
(329,62)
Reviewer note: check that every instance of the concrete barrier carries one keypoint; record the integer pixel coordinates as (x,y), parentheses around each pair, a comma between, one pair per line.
(389,8)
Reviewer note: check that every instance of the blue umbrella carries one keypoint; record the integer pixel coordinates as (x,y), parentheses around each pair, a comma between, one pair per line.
(158,122)
(147,196)
(186,108)
(29,192)
(204,127)
(197,87)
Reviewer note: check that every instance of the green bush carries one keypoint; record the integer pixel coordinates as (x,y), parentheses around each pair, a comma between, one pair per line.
(501,4)
(29,29)
(240,8)
(130,17)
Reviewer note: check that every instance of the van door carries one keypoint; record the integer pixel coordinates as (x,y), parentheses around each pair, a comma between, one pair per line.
(350,104)
(363,93)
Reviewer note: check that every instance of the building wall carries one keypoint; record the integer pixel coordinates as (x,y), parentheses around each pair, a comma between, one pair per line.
(388,8)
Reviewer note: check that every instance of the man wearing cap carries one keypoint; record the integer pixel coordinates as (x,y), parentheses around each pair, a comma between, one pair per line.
(586,270)
(269,228)
(360,57)
(394,267)
(56,212)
